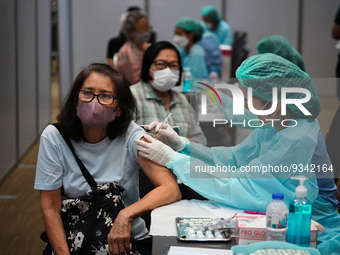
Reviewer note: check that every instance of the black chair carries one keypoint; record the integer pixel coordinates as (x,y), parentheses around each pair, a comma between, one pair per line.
(240,51)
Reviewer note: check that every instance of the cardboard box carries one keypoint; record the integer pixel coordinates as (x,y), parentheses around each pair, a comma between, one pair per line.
(252,229)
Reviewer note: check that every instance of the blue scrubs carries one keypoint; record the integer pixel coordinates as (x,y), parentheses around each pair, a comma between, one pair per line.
(252,191)
(211,46)
(223,32)
(195,60)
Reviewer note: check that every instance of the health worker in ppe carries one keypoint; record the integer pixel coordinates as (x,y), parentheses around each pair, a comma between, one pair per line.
(187,33)
(275,44)
(282,147)
(212,21)
(279,45)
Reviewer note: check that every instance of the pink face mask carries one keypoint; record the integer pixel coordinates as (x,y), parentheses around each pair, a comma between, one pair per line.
(94,115)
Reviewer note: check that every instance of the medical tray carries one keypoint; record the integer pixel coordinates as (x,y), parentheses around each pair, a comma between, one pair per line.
(214,225)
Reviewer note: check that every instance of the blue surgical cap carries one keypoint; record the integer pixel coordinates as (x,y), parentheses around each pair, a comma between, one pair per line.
(264,71)
(190,25)
(211,12)
(279,45)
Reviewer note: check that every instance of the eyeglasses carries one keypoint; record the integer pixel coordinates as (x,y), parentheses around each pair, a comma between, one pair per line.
(160,65)
(104,99)
(144,30)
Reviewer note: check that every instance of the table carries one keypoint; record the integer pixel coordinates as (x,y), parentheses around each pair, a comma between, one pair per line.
(163,228)
(162,244)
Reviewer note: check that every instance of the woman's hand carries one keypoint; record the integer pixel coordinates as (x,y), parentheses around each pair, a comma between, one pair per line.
(167,135)
(155,150)
(119,236)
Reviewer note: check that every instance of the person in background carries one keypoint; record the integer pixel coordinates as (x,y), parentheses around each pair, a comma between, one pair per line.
(336,36)
(213,56)
(212,21)
(116,43)
(278,45)
(161,71)
(129,59)
(97,117)
(294,143)
(188,32)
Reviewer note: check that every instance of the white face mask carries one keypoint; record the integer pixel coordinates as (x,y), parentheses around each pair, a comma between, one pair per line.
(208,25)
(180,41)
(164,79)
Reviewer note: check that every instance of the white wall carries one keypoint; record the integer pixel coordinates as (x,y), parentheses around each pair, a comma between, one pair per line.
(165,14)
(43,63)
(27,80)
(318,48)
(262,18)
(24,77)
(93,24)
(8,102)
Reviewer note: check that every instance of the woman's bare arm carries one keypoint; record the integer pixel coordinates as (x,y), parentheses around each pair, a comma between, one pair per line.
(50,203)
(166,191)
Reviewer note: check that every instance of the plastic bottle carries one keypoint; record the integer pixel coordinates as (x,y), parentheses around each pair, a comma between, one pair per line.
(300,215)
(213,76)
(226,51)
(187,79)
(276,215)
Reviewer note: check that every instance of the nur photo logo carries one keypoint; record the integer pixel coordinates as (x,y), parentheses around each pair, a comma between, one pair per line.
(204,97)
(238,104)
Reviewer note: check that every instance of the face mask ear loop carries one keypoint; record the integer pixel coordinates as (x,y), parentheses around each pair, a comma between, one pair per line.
(265,105)
(274,114)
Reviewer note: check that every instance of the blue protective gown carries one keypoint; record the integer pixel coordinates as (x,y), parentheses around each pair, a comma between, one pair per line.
(195,60)
(222,31)
(252,191)
(326,184)
(211,46)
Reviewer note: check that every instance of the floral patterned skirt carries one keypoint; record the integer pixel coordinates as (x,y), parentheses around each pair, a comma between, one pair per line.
(77,214)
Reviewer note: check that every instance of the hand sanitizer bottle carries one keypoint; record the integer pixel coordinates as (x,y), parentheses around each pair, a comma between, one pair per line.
(300,215)
(187,79)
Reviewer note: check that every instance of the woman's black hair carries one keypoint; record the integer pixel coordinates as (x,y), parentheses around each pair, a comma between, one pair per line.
(70,123)
(151,53)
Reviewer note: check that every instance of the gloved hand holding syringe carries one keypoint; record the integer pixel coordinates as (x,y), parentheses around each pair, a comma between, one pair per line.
(166,134)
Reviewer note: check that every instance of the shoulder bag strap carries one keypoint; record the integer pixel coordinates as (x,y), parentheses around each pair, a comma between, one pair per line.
(83,169)
(96,196)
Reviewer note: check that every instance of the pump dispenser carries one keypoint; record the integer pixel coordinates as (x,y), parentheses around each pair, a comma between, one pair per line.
(301,190)
(300,215)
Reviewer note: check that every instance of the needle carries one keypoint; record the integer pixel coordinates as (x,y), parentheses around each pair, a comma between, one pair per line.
(165,121)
